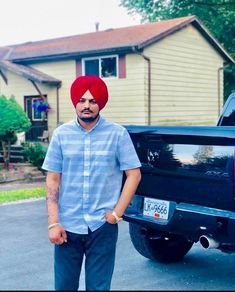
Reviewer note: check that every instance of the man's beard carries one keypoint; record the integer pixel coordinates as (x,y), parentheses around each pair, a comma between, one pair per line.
(89,120)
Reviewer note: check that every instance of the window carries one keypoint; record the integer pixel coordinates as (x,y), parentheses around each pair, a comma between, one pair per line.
(104,67)
(37,115)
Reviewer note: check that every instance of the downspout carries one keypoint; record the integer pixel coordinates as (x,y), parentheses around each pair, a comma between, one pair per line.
(218,80)
(135,50)
(57,105)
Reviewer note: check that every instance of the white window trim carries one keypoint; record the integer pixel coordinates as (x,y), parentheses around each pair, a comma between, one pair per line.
(99,58)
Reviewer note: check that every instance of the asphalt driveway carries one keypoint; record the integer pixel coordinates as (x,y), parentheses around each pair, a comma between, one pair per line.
(26,255)
(26,259)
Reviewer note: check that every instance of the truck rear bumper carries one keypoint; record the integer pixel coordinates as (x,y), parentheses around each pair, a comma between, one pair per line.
(189,220)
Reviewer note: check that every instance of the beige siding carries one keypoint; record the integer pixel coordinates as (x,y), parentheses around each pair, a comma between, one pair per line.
(126,96)
(20,87)
(184,85)
(126,103)
(66,72)
(184,80)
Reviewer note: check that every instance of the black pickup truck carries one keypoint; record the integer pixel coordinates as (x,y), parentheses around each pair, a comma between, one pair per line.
(187,191)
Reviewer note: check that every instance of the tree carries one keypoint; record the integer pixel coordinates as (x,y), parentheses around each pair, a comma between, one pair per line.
(12,120)
(218,16)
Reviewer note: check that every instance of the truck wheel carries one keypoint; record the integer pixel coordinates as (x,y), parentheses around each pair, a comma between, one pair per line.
(157,245)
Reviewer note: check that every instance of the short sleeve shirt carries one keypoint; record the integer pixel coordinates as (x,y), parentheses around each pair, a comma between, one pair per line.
(91,164)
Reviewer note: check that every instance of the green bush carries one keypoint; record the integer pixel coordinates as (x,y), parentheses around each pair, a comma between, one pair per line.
(13,120)
(11,137)
(34,153)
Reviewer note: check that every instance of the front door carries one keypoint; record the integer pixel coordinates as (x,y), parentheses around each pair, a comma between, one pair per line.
(38,120)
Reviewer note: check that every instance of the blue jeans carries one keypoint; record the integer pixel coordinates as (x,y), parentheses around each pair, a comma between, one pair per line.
(99,248)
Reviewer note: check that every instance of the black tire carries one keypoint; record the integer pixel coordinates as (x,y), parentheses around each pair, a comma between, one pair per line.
(159,246)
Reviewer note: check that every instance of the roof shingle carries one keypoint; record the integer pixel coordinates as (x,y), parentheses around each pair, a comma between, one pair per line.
(107,41)
(29,73)
(102,40)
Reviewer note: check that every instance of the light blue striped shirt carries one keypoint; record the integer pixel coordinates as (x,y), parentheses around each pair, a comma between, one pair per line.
(91,164)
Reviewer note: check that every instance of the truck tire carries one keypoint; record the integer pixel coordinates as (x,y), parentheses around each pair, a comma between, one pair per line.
(157,245)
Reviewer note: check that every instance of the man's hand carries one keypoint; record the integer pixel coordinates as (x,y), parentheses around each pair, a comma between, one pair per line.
(110,218)
(57,235)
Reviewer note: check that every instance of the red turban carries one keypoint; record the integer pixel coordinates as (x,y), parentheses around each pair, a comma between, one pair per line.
(94,84)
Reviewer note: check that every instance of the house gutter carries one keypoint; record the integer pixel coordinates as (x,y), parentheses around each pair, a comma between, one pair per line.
(135,50)
(72,55)
(219,89)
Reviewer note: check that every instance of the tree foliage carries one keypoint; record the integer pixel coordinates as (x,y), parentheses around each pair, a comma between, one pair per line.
(12,120)
(218,16)
(12,117)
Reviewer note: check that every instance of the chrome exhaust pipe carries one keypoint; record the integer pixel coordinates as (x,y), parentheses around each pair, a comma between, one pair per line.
(208,242)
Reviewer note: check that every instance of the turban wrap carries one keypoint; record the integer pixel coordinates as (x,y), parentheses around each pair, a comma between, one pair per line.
(94,84)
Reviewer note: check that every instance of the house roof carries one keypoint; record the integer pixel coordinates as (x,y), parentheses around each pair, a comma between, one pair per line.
(107,41)
(29,73)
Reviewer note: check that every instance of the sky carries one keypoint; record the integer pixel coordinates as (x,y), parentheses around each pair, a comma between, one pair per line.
(34,20)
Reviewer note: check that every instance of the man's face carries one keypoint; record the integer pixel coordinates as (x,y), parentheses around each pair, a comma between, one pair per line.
(87,109)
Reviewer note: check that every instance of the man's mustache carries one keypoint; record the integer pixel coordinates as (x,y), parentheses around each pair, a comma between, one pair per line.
(87,110)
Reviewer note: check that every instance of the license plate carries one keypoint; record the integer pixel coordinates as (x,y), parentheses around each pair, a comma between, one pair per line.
(158,209)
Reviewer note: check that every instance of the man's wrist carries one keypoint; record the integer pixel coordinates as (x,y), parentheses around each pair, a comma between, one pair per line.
(53,225)
(116,216)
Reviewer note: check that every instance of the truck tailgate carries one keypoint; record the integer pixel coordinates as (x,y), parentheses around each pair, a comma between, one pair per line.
(186,164)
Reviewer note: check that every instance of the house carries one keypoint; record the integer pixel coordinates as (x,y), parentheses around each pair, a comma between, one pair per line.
(160,73)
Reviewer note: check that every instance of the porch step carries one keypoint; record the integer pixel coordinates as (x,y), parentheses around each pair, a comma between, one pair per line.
(16,148)
(13,158)
(16,154)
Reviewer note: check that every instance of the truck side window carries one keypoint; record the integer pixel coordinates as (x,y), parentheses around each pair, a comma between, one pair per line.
(228,115)
(229,120)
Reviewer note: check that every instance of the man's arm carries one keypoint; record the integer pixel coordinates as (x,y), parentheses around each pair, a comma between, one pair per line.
(56,232)
(52,187)
(133,177)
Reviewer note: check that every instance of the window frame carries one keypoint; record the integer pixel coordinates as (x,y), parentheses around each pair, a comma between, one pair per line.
(33,112)
(99,58)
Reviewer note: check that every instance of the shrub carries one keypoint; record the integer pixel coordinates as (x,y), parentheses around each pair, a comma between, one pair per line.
(34,153)
(13,120)
(11,137)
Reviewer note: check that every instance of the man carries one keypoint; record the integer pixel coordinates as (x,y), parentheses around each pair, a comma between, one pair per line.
(85,163)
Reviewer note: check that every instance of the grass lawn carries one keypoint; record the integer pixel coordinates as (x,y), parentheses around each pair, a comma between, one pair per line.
(15,195)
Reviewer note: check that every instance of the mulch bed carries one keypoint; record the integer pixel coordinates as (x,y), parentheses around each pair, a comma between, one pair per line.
(16,172)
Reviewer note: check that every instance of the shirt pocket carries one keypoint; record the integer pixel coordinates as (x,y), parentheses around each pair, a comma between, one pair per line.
(103,158)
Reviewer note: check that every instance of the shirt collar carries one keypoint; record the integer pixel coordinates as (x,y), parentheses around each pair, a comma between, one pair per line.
(99,122)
